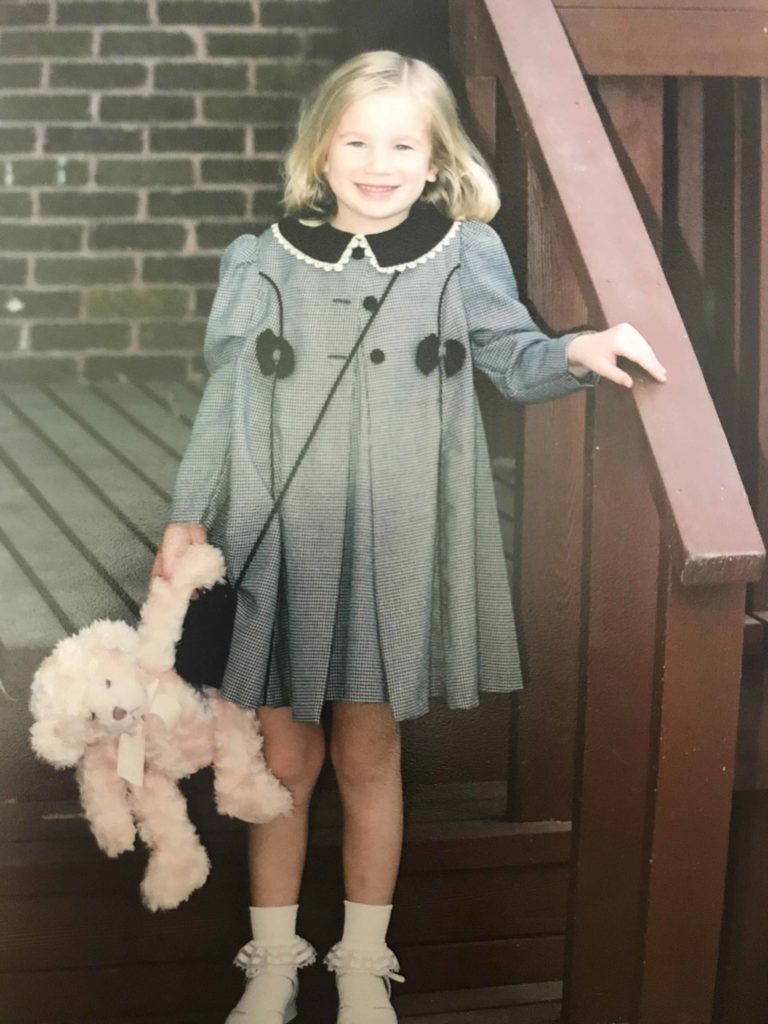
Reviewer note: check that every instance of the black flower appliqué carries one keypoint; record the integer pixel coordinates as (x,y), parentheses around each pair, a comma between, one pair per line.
(274,355)
(428,353)
(432,350)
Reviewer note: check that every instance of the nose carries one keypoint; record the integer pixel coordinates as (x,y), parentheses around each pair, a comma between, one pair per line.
(378,159)
(119,714)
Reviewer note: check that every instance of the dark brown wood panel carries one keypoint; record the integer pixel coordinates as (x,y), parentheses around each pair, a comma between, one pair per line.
(742,992)
(550,583)
(187,991)
(506,961)
(694,736)
(628,41)
(755,214)
(684,251)
(632,114)
(752,751)
(605,917)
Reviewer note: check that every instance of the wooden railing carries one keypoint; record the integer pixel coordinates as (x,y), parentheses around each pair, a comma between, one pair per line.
(636,544)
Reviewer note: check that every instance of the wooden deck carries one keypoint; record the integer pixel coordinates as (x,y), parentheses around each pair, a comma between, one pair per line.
(86,476)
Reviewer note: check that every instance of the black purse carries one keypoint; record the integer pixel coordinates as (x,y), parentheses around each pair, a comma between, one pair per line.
(203,649)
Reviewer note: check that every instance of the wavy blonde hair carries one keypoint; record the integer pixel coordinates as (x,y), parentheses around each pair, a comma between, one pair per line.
(465,187)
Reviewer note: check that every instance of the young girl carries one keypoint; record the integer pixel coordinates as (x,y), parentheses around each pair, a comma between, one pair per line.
(341,346)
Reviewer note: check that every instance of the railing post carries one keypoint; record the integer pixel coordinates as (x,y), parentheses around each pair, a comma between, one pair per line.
(656,741)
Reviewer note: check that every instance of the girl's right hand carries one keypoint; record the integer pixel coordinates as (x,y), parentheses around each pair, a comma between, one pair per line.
(176,539)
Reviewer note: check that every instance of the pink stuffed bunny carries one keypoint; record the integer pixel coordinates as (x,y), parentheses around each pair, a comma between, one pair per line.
(108,701)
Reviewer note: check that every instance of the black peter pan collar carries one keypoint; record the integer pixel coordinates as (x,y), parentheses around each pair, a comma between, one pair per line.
(424,231)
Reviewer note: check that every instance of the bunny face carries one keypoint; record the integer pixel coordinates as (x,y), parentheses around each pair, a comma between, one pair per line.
(90,688)
(114,696)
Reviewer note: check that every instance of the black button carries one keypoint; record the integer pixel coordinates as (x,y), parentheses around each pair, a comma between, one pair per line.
(358,252)
(371,303)
(377,356)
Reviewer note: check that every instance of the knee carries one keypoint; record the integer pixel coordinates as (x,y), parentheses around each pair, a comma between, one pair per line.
(297,762)
(363,760)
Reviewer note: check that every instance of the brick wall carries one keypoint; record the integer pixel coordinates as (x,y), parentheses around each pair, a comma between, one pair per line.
(137,138)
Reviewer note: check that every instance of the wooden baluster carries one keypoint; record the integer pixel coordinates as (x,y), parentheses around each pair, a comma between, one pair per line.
(751,303)
(550,564)
(632,115)
(684,223)
(743,982)
(605,919)
(690,790)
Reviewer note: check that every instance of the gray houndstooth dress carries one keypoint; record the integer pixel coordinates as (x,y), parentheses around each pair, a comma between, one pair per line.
(382,578)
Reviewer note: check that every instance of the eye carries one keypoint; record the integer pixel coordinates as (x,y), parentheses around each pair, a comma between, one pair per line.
(92,716)
(402,145)
(107,683)
(355,142)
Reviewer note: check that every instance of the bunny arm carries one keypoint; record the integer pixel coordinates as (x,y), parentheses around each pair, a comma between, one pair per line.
(185,746)
(104,797)
(244,786)
(178,863)
(162,615)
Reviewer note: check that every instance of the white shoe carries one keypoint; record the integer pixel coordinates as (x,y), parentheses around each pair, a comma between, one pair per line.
(364,981)
(272,986)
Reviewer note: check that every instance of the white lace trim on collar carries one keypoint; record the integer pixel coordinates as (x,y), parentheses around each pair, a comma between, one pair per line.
(361,240)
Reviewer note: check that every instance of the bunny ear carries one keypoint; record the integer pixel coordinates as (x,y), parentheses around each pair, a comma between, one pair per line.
(59,741)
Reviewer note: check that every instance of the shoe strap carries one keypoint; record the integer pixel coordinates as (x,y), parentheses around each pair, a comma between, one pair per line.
(378,960)
(253,958)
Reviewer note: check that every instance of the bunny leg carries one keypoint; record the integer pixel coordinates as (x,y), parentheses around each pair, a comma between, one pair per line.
(104,797)
(244,786)
(178,863)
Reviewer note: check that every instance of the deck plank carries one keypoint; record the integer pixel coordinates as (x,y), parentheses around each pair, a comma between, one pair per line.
(175,397)
(129,445)
(27,620)
(130,404)
(85,495)
(116,484)
(106,541)
(60,570)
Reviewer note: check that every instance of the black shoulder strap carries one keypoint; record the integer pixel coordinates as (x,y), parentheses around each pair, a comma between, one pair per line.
(279,499)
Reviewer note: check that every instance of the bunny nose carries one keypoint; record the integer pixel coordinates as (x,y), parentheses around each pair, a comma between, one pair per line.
(119,713)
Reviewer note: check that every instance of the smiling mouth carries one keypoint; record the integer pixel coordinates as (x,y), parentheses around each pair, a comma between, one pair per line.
(376,190)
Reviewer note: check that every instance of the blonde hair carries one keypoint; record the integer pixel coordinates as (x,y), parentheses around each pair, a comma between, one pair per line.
(465,187)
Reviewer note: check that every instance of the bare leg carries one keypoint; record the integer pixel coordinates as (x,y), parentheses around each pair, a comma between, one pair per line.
(294,752)
(365,750)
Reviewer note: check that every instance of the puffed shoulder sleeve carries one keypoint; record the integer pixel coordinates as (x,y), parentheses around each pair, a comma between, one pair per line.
(202,473)
(524,363)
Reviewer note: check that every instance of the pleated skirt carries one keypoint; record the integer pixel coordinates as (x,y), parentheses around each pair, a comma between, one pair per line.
(355,665)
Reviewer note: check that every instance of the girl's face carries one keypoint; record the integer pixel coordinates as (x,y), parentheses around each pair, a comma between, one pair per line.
(378,161)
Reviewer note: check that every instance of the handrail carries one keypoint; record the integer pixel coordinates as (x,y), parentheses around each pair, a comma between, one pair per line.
(695,479)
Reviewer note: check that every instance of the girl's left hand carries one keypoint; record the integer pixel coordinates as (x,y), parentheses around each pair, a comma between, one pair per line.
(599,352)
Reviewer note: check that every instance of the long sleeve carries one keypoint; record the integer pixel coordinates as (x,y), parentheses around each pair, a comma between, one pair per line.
(507,346)
(202,472)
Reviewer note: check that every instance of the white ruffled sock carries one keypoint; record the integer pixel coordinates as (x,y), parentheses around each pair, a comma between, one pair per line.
(274,926)
(270,994)
(365,924)
(363,995)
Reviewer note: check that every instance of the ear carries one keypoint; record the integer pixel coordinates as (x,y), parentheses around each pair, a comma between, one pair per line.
(59,741)
(432,172)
